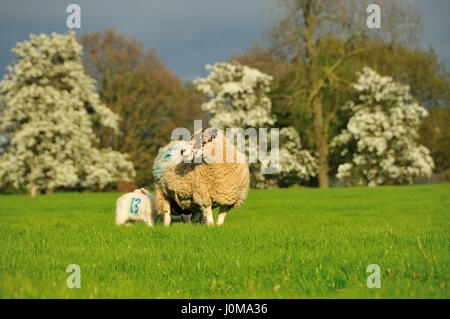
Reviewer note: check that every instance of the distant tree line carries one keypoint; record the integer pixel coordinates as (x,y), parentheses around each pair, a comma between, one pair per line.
(302,79)
(150,100)
(315,51)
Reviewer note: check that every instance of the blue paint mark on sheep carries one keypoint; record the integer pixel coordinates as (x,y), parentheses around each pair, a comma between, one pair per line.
(134,209)
(158,169)
(163,157)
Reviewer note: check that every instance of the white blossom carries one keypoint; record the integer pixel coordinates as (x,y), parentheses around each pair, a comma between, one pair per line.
(383,133)
(50,106)
(237,98)
(295,161)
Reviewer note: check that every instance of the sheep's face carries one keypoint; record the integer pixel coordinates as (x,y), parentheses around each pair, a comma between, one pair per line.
(175,152)
(172,154)
(180,152)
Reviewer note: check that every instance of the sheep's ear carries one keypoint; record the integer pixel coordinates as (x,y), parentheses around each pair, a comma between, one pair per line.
(143,191)
(214,134)
(197,133)
(196,138)
(210,135)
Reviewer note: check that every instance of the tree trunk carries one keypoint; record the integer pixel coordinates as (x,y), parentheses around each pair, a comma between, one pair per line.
(321,141)
(33,191)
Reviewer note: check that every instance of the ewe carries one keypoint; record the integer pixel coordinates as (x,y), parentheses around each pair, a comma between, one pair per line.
(218,181)
(136,206)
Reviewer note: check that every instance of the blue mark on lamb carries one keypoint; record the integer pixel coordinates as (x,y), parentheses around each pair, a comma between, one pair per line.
(134,206)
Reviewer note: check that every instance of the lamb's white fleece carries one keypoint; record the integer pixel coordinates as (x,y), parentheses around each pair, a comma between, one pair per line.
(137,206)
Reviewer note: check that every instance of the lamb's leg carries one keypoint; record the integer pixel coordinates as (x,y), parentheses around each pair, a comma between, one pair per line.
(196,217)
(121,219)
(207,216)
(222,214)
(186,218)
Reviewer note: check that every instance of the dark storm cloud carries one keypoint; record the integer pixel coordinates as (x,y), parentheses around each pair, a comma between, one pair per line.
(186,34)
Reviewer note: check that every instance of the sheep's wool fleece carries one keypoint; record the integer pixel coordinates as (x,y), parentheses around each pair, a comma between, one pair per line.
(204,184)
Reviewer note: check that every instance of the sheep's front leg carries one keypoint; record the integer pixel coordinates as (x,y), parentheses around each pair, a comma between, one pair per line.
(167,218)
(165,209)
(222,214)
(207,216)
(163,206)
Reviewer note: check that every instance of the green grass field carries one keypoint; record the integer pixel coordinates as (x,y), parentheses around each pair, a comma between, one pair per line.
(283,243)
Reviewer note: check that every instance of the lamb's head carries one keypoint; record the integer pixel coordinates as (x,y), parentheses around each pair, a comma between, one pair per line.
(171,155)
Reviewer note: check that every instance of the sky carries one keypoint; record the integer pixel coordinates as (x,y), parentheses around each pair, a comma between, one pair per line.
(186,34)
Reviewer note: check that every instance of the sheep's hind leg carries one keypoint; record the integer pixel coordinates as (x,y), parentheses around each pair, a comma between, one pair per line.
(223,211)
(208,216)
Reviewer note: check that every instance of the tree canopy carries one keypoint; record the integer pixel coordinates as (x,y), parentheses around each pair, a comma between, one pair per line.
(50,109)
(149,98)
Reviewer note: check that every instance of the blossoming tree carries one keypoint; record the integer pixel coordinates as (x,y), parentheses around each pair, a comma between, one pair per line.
(380,140)
(50,108)
(238,99)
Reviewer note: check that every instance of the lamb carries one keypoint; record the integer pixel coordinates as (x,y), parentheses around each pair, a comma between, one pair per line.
(136,206)
(197,188)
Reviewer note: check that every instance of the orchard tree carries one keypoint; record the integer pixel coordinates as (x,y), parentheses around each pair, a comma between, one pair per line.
(419,68)
(435,135)
(50,107)
(381,138)
(296,163)
(319,38)
(238,99)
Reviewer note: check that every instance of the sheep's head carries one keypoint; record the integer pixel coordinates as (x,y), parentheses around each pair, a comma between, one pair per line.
(170,155)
